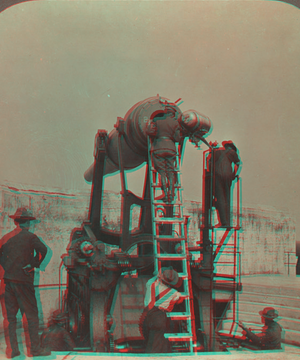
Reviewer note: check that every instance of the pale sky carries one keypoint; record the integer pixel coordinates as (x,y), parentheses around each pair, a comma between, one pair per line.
(69,68)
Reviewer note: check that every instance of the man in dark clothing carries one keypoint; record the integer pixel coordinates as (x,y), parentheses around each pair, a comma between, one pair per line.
(165,131)
(224,158)
(56,337)
(270,337)
(20,252)
(160,298)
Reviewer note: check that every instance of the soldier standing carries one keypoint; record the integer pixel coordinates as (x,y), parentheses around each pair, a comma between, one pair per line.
(225,159)
(20,252)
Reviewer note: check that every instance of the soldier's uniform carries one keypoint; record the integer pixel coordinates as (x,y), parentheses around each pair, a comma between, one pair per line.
(165,132)
(224,159)
(270,337)
(160,299)
(20,252)
(56,337)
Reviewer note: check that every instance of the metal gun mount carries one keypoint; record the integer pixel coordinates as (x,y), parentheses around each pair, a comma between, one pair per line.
(105,267)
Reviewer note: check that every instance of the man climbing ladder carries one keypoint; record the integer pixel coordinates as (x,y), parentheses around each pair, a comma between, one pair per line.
(164,130)
(171,284)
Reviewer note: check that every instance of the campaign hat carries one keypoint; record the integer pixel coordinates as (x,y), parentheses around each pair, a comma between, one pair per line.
(58,316)
(230,144)
(169,276)
(269,313)
(22,213)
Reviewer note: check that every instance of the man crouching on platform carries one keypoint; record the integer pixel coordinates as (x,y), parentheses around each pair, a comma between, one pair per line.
(56,337)
(160,298)
(270,337)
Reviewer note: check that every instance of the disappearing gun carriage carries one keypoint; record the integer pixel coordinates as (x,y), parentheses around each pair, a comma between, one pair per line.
(107,270)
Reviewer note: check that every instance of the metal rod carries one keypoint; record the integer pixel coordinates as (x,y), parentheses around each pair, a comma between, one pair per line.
(238,202)
(121,165)
(59,285)
(212,173)
(234,274)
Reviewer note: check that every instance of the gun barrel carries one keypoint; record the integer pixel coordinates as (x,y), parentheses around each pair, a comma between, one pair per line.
(134,142)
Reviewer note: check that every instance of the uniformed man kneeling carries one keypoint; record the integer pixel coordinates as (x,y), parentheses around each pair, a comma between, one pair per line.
(56,337)
(270,337)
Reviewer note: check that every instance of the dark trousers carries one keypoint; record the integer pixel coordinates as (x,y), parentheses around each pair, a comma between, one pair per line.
(223,201)
(154,326)
(21,296)
(164,161)
(247,343)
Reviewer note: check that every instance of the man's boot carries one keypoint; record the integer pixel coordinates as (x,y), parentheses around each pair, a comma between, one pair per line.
(172,187)
(40,352)
(164,188)
(12,347)
(12,354)
(165,191)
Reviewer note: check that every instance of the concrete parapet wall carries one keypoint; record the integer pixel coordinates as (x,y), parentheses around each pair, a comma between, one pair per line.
(267,238)
(267,242)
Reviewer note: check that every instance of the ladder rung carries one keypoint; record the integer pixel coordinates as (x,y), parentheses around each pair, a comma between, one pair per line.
(171,256)
(169,203)
(195,248)
(184,276)
(176,170)
(176,186)
(160,202)
(179,337)
(179,316)
(173,220)
(171,238)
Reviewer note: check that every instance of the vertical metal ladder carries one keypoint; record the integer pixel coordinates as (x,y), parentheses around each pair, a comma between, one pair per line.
(226,257)
(170,230)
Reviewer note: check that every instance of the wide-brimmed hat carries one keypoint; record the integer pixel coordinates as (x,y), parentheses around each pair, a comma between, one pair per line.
(59,316)
(269,313)
(229,143)
(169,276)
(22,213)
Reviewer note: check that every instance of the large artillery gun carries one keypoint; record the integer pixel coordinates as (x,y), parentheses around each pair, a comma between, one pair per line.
(102,263)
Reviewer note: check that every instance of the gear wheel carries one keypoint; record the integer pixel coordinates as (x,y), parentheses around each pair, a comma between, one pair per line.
(84,248)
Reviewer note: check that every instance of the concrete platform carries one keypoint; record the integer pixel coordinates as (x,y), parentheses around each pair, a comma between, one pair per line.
(286,354)
(278,285)
(278,291)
